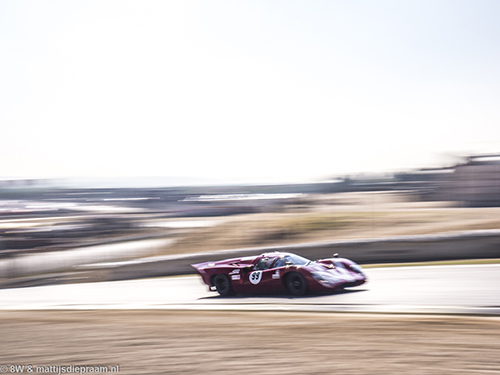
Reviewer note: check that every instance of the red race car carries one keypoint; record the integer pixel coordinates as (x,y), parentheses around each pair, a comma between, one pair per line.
(272,273)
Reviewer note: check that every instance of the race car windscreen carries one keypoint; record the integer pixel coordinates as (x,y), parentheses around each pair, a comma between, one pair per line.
(296,260)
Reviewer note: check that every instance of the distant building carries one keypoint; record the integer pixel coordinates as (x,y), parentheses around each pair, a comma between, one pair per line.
(475,183)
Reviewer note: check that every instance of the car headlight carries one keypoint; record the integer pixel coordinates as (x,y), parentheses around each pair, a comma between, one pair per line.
(356,268)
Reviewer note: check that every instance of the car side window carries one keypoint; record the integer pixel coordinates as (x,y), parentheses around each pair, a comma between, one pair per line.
(281,262)
(264,263)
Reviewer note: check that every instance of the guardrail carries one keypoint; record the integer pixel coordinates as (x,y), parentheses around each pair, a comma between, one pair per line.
(446,246)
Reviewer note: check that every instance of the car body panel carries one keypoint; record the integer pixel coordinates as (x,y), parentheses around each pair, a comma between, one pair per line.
(267,273)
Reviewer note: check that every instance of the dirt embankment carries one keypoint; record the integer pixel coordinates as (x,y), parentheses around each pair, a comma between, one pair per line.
(175,342)
(337,217)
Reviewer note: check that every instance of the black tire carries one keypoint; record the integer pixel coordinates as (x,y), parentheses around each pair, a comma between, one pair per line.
(223,285)
(296,284)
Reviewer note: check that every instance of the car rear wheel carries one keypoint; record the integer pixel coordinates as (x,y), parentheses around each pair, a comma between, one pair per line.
(223,285)
(296,284)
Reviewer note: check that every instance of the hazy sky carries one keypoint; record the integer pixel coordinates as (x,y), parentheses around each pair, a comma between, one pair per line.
(261,90)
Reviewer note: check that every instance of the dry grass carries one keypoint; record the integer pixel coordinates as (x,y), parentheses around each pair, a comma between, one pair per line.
(187,342)
(334,218)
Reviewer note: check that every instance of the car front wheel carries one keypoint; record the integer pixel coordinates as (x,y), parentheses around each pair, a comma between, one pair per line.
(296,284)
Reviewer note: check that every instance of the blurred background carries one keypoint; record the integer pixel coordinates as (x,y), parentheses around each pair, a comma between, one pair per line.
(53,231)
(140,130)
(139,137)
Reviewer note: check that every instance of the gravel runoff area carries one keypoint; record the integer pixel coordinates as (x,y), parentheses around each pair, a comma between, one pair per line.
(201,342)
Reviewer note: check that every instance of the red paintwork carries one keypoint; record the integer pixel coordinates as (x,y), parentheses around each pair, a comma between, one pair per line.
(341,273)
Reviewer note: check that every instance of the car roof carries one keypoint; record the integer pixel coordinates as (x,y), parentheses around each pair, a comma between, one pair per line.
(275,254)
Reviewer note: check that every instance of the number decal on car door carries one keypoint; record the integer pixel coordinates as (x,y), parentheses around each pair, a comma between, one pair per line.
(255,277)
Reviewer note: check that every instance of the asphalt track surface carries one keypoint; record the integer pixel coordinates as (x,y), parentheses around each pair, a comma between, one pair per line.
(458,289)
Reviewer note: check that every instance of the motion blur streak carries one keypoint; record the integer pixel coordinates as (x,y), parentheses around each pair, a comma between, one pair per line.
(193,342)
(73,231)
